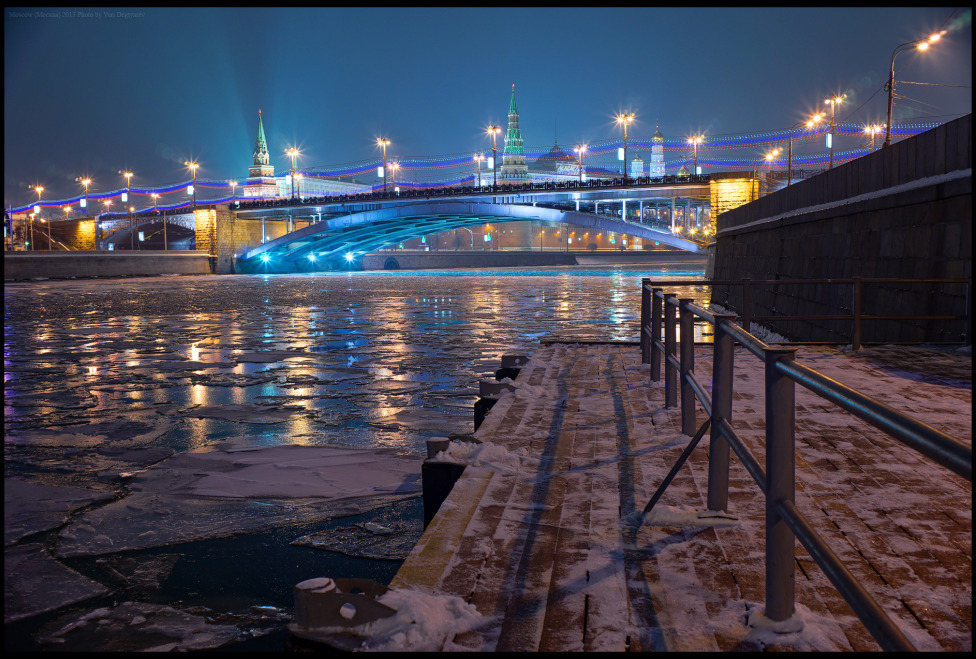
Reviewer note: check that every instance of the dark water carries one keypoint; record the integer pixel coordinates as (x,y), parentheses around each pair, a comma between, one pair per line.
(359,360)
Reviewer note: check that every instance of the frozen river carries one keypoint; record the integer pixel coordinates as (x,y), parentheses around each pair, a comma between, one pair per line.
(180,451)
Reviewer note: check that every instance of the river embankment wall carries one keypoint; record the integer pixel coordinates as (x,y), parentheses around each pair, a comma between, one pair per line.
(904,211)
(401,260)
(81,264)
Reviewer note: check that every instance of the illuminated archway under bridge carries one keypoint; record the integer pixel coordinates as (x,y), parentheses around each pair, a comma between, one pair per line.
(337,242)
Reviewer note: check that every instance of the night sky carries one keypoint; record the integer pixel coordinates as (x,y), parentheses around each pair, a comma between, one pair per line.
(96,92)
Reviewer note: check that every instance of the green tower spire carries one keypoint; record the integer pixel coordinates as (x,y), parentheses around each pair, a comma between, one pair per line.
(261,156)
(513,159)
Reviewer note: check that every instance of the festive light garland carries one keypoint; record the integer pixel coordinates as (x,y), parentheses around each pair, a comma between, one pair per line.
(592,164)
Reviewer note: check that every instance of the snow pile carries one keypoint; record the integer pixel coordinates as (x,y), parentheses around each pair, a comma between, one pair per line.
(488,455)
(764,334)
(530,391)
(422,623)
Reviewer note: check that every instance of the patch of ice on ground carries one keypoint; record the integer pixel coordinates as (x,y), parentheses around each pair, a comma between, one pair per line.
(681,516)
(34,583)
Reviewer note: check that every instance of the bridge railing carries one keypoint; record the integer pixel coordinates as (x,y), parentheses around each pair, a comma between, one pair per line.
(784,522)
(500,188)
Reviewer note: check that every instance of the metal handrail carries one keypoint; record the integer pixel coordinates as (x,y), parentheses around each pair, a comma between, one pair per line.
(782,372)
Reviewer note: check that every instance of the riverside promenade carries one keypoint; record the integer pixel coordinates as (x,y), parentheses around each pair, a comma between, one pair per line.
(539,532)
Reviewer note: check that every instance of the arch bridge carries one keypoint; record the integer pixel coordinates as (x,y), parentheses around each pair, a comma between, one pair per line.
(336,236)
(341,240)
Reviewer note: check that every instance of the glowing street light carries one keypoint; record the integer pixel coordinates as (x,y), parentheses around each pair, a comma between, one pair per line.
(383,142)
(625,119)
(580,150)
(85,182)
(921,44)
(872,131)
(832,101)
(478,158)
(293,152)
(494,131)
(233,191)
(394,166)
(810,123)
(695,141)
(128,179)
(192,166)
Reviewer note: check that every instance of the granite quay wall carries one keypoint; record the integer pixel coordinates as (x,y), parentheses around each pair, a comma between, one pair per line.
(901,212)
(403,260)
(78,264)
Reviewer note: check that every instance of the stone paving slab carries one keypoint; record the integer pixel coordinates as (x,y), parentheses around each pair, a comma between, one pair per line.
(546,555)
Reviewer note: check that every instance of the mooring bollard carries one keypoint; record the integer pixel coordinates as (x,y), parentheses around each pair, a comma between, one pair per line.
(437,478)
(718,454)
(780,479)
(511,365)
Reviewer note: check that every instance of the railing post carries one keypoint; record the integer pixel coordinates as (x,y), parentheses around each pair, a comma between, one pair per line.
(656,318)
(856,311)
(670,341)
(687,331)
(718,454)
(746,304)
(969,312)
(645,320)
(780,476)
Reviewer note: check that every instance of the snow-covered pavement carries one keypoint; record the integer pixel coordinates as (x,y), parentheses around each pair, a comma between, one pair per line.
(538,535)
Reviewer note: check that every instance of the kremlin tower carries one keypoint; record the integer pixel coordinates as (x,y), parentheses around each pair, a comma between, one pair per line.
(260,176)
(513,159)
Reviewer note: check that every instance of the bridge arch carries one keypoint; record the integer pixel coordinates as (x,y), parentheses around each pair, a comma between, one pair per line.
(331,240)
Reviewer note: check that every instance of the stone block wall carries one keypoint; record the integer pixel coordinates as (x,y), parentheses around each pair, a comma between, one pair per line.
(900,212)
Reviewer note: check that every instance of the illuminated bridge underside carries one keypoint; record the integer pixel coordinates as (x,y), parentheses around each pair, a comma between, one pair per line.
(368,231)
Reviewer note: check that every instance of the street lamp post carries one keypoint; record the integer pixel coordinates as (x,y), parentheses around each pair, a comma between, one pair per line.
(132,238)
(478,158)
(108,206)
(769,163)
(394,166)
(193,168)
(39,190)
(872,131)
(383,142)
(920,44)
(813,121)
(292,152)
(233,192)
(695,141)
(86,182)
(625,119)
(580,150)
(832,102)
(493,131)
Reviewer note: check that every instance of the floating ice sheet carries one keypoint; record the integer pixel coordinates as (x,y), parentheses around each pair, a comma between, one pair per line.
(33,583)
(30,507)
(193,496)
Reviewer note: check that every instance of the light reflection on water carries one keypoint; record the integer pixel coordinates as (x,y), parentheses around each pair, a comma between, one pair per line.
(368,359)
